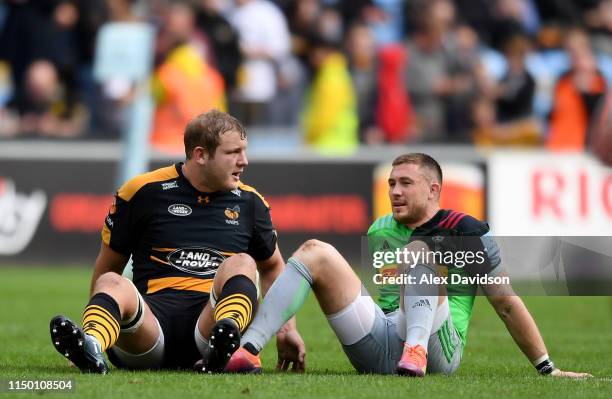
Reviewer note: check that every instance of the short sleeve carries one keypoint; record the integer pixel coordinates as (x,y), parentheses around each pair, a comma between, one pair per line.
(490,255)
(121,228)
(263,241)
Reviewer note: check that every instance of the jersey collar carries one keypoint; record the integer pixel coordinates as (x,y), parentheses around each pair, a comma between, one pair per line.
(434,221)
(179,170)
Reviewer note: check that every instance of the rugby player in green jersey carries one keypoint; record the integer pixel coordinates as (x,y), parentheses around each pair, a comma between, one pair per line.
(415,328)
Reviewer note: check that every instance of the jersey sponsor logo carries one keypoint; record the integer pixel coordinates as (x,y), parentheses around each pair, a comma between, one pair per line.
(232,214)
(168,186)
(179,210)
(200,261)
(389,271)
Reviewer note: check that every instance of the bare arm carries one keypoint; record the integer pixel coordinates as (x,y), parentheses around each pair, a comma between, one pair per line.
(107,261)
(269,269)
(520,324)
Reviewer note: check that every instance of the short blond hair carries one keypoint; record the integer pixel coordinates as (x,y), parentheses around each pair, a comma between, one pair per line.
(206,129)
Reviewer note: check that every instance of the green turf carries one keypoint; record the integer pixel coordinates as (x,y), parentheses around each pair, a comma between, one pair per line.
(577,331)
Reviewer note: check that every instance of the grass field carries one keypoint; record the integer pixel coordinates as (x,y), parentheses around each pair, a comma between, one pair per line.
(578,332)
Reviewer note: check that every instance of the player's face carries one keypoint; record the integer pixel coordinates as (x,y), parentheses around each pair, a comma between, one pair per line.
(228,163)
(409,192)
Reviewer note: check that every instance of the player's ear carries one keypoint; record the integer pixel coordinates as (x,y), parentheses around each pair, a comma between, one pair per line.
(200,155)
(434,190)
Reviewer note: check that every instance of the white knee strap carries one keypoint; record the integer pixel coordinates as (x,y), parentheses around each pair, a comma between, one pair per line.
(131,325)
(153,358)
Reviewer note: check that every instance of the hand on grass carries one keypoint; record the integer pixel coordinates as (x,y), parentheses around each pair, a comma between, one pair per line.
(291,349)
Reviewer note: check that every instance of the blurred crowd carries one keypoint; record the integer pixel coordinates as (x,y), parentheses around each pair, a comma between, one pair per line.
(347,72)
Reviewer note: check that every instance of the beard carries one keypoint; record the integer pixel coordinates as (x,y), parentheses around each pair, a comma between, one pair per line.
(415,213)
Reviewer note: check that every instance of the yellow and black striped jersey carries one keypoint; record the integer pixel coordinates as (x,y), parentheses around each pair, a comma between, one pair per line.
(178,236)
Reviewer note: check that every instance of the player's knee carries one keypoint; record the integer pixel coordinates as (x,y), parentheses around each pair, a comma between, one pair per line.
(108,282)
(314,252)
(423,268)
(416,246)
(415,259)
(314,246)
(241,262)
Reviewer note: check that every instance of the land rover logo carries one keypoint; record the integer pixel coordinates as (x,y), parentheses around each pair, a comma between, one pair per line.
(199,261)
(179,210)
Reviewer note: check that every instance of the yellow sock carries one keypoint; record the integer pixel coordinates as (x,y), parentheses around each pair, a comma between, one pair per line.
(101,320)
(238,301)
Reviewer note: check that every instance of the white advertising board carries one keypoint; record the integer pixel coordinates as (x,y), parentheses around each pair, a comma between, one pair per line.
(545,194)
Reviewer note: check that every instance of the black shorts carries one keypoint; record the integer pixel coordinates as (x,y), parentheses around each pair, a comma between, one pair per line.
(177,313)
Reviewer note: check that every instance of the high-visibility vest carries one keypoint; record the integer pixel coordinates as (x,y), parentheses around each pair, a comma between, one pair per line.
(330,117)
(569,120)
(184,86)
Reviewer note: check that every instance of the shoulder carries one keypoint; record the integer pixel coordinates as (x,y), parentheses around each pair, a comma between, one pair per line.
(133,186)
(385,222)
(463,223)
(254,193)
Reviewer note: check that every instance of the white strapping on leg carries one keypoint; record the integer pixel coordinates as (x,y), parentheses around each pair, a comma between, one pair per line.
(355,321)
(152,358)
(130,325)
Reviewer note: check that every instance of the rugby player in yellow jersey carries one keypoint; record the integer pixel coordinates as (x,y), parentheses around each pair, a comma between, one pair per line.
(197,237)
(415,328)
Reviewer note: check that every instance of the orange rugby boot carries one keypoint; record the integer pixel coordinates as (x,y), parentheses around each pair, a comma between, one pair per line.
(243,361)
(413,362)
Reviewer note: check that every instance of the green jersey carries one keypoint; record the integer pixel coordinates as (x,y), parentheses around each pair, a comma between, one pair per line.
(386,234)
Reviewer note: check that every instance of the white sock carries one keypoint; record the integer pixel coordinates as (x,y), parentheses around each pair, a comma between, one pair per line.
(420,307)
(283,300)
